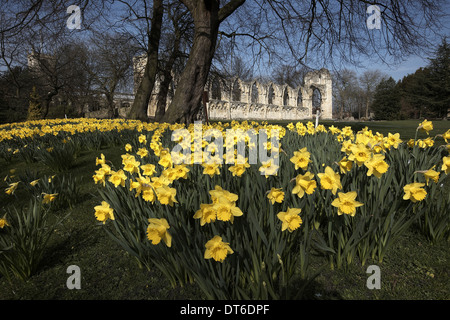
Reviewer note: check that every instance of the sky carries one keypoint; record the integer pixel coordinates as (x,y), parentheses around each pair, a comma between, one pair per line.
(412,63)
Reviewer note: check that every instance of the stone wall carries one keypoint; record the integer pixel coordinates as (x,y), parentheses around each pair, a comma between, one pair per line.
(240,100)
(254,100)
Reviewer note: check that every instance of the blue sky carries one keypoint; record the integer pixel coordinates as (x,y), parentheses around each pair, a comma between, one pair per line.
(413,62)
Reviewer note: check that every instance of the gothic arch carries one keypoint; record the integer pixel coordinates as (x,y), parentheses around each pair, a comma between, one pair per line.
(299,97)
(286,96)
(316,99)
(270,94)
(254,92)
(236,90)
(216,89)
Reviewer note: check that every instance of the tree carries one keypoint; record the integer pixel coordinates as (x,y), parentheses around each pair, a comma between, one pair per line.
(315,33)
(368,81)
(207,17)
(415,93)
(109,65)
(172,58)
(287,74)
(144,91)
(386,104)
(439,83)
(300,29)
(426,92)
(34,109)
(345,82)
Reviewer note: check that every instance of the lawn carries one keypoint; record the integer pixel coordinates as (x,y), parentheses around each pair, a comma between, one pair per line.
(413,269)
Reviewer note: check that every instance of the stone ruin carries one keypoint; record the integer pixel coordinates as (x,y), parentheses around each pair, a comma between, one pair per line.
(254,100)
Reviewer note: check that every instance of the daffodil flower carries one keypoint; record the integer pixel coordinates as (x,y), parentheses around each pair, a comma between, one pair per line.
(346,203)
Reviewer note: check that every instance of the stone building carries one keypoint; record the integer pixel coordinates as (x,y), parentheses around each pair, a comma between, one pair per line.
(255,100)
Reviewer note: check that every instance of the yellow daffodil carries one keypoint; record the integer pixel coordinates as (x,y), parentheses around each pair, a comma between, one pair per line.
(100,176)
(429,142)
(431,175)
(166,195)
(290,219)
(211,169)
(426,126)
(334,130)
(345,165)
(446,165)
(34,182)
(165,160)
(142,152)
(148,169)
(446,136)
(376,165)
(104,212)
(181,171)
(268,168)
(148,194)
(101,160)
(217,249)
(360,153)
(226,210)
(347,146)
(131,165)
(414,192)
(330,180)
(394,140)
(301,159)
(128,147)
(276,195)
(157,231)
(238,169)
(346,203)
(3,222)
(206,213)
(12,187)
(118,178)
(218,193)
(142,139)
(49,197)
(304,183)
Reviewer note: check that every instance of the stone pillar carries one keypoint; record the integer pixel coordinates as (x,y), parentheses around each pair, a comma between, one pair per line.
(320,79)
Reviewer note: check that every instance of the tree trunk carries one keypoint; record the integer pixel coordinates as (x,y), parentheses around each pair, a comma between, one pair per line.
(367,108)
(186,101)
(162,96)
(47,101)
(167,79)
(140,104)
(110,102)
(207,18)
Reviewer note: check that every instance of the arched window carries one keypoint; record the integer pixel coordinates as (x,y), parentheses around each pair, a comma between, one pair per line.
(215,90)
(236,93)
(285,97)
(299,98)
(270,95)
(316,100)
(255,93)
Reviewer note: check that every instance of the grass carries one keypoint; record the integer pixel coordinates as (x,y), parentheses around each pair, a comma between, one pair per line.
(413,268)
